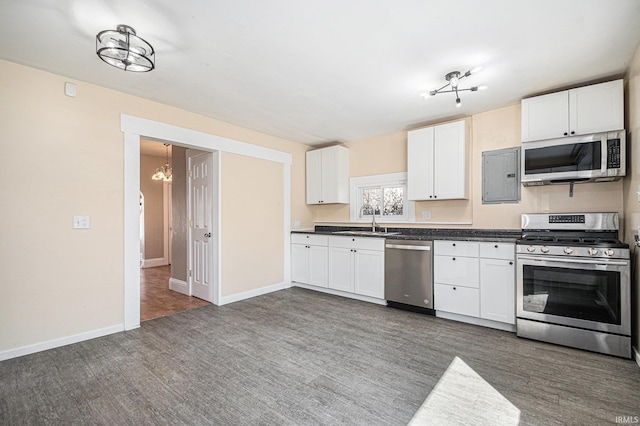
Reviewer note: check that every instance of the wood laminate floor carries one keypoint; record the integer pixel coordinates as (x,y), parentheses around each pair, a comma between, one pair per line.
(156,300)
(298,357)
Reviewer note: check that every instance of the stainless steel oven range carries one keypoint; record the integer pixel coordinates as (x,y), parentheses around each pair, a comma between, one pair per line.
(573,282)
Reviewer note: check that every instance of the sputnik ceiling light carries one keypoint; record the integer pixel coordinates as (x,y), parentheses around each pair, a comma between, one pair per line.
(453,78)
(123,49)
(164,172)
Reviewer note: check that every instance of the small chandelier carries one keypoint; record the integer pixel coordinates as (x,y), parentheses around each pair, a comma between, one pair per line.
(123,49)
(453,78)
(163,173)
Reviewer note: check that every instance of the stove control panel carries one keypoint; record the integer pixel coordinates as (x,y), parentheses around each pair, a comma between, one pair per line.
(575,252)
(566,218)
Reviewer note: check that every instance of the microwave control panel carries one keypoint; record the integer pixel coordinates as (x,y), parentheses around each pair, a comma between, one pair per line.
(613,154)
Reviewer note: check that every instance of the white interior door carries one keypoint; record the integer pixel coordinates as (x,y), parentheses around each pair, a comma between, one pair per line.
(201,232)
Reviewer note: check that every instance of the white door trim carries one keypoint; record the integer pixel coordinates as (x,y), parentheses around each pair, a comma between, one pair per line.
(166,221)
(135,127)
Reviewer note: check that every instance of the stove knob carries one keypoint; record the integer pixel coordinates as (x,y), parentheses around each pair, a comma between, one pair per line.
(568,250)
(531,249)
(593,251)
(609,252)
(544,249)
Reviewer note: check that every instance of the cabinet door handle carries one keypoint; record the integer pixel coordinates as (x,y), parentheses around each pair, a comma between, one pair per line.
(573,133)
(454,288)
(454,258)
(565,133)
(496,246)
(510,263)
(454,244)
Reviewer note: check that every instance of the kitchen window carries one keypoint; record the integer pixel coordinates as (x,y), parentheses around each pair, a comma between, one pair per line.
(382,195)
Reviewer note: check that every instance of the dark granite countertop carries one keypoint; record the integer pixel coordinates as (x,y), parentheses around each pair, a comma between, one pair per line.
(499,235)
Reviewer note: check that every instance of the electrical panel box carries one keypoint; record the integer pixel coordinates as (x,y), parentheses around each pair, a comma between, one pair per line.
(501,176)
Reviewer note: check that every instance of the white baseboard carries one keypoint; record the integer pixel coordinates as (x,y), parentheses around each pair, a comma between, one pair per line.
(38,347)
(342,293)
(152,263)
(252,293)
(179,286)
(636,355)
(477,321)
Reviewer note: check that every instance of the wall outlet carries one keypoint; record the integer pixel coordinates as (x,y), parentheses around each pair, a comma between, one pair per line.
(426,214)
(81,222)
(296,224)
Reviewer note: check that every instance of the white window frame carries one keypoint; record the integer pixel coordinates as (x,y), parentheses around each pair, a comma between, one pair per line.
(356,184)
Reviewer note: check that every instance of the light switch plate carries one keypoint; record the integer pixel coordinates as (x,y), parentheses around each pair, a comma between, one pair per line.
(81,222)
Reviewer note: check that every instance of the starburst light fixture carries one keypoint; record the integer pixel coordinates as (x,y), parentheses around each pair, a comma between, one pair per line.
(164,172)
(453,78)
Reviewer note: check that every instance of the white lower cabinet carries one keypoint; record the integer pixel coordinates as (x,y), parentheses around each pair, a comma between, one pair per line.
(368,277)
(341,269)
(457,299)
(309,259)
(497,298)
(346,264)
(476,280)
(356,265)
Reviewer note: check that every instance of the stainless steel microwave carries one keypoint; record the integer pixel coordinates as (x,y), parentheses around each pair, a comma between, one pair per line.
(599,157)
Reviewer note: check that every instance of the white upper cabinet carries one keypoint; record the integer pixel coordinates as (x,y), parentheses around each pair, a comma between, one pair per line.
(328,175)
(584,110)
(438,162)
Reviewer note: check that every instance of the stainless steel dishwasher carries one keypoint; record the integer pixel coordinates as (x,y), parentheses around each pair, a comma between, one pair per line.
(408,275)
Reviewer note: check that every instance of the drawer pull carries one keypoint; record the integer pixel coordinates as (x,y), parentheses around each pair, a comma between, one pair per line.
(454,258)
(454,244)
(496,246)
(454,288)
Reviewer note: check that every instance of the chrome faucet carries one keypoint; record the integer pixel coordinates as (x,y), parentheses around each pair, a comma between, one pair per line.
(374,225)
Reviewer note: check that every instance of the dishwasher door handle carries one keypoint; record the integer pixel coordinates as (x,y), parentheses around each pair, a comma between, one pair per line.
(406,247)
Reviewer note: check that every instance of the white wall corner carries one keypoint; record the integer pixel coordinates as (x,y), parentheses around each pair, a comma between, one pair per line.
(152,263)
(179,286)
(253,293)
(55,343)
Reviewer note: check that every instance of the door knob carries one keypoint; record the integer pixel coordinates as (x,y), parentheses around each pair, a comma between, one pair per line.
(208,235)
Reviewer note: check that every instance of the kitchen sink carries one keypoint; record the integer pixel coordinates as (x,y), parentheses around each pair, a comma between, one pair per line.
(367,233)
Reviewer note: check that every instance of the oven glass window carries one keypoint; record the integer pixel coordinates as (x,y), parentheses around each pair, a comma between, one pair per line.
(574,293)
(563,158)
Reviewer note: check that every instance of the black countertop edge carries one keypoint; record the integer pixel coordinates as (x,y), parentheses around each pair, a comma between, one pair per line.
(507,235)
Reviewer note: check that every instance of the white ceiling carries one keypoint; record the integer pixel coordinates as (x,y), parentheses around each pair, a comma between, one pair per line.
(331,70)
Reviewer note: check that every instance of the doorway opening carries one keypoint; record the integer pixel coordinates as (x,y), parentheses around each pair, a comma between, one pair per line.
(135,128)
(165,285)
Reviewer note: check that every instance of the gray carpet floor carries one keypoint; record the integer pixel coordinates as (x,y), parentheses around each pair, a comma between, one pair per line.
(298,357)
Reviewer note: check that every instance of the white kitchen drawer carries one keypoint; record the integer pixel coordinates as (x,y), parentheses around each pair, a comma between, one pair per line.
(505,251)
(310,239)
(357,243)
(457,300)
(455,270)
(456,248)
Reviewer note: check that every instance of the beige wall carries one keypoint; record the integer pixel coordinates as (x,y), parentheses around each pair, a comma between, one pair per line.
(632,182)
(252,200)
(495,129)
(55,281)
(153,207)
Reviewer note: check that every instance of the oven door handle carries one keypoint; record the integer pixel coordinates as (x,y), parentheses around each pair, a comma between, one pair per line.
(605,262)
